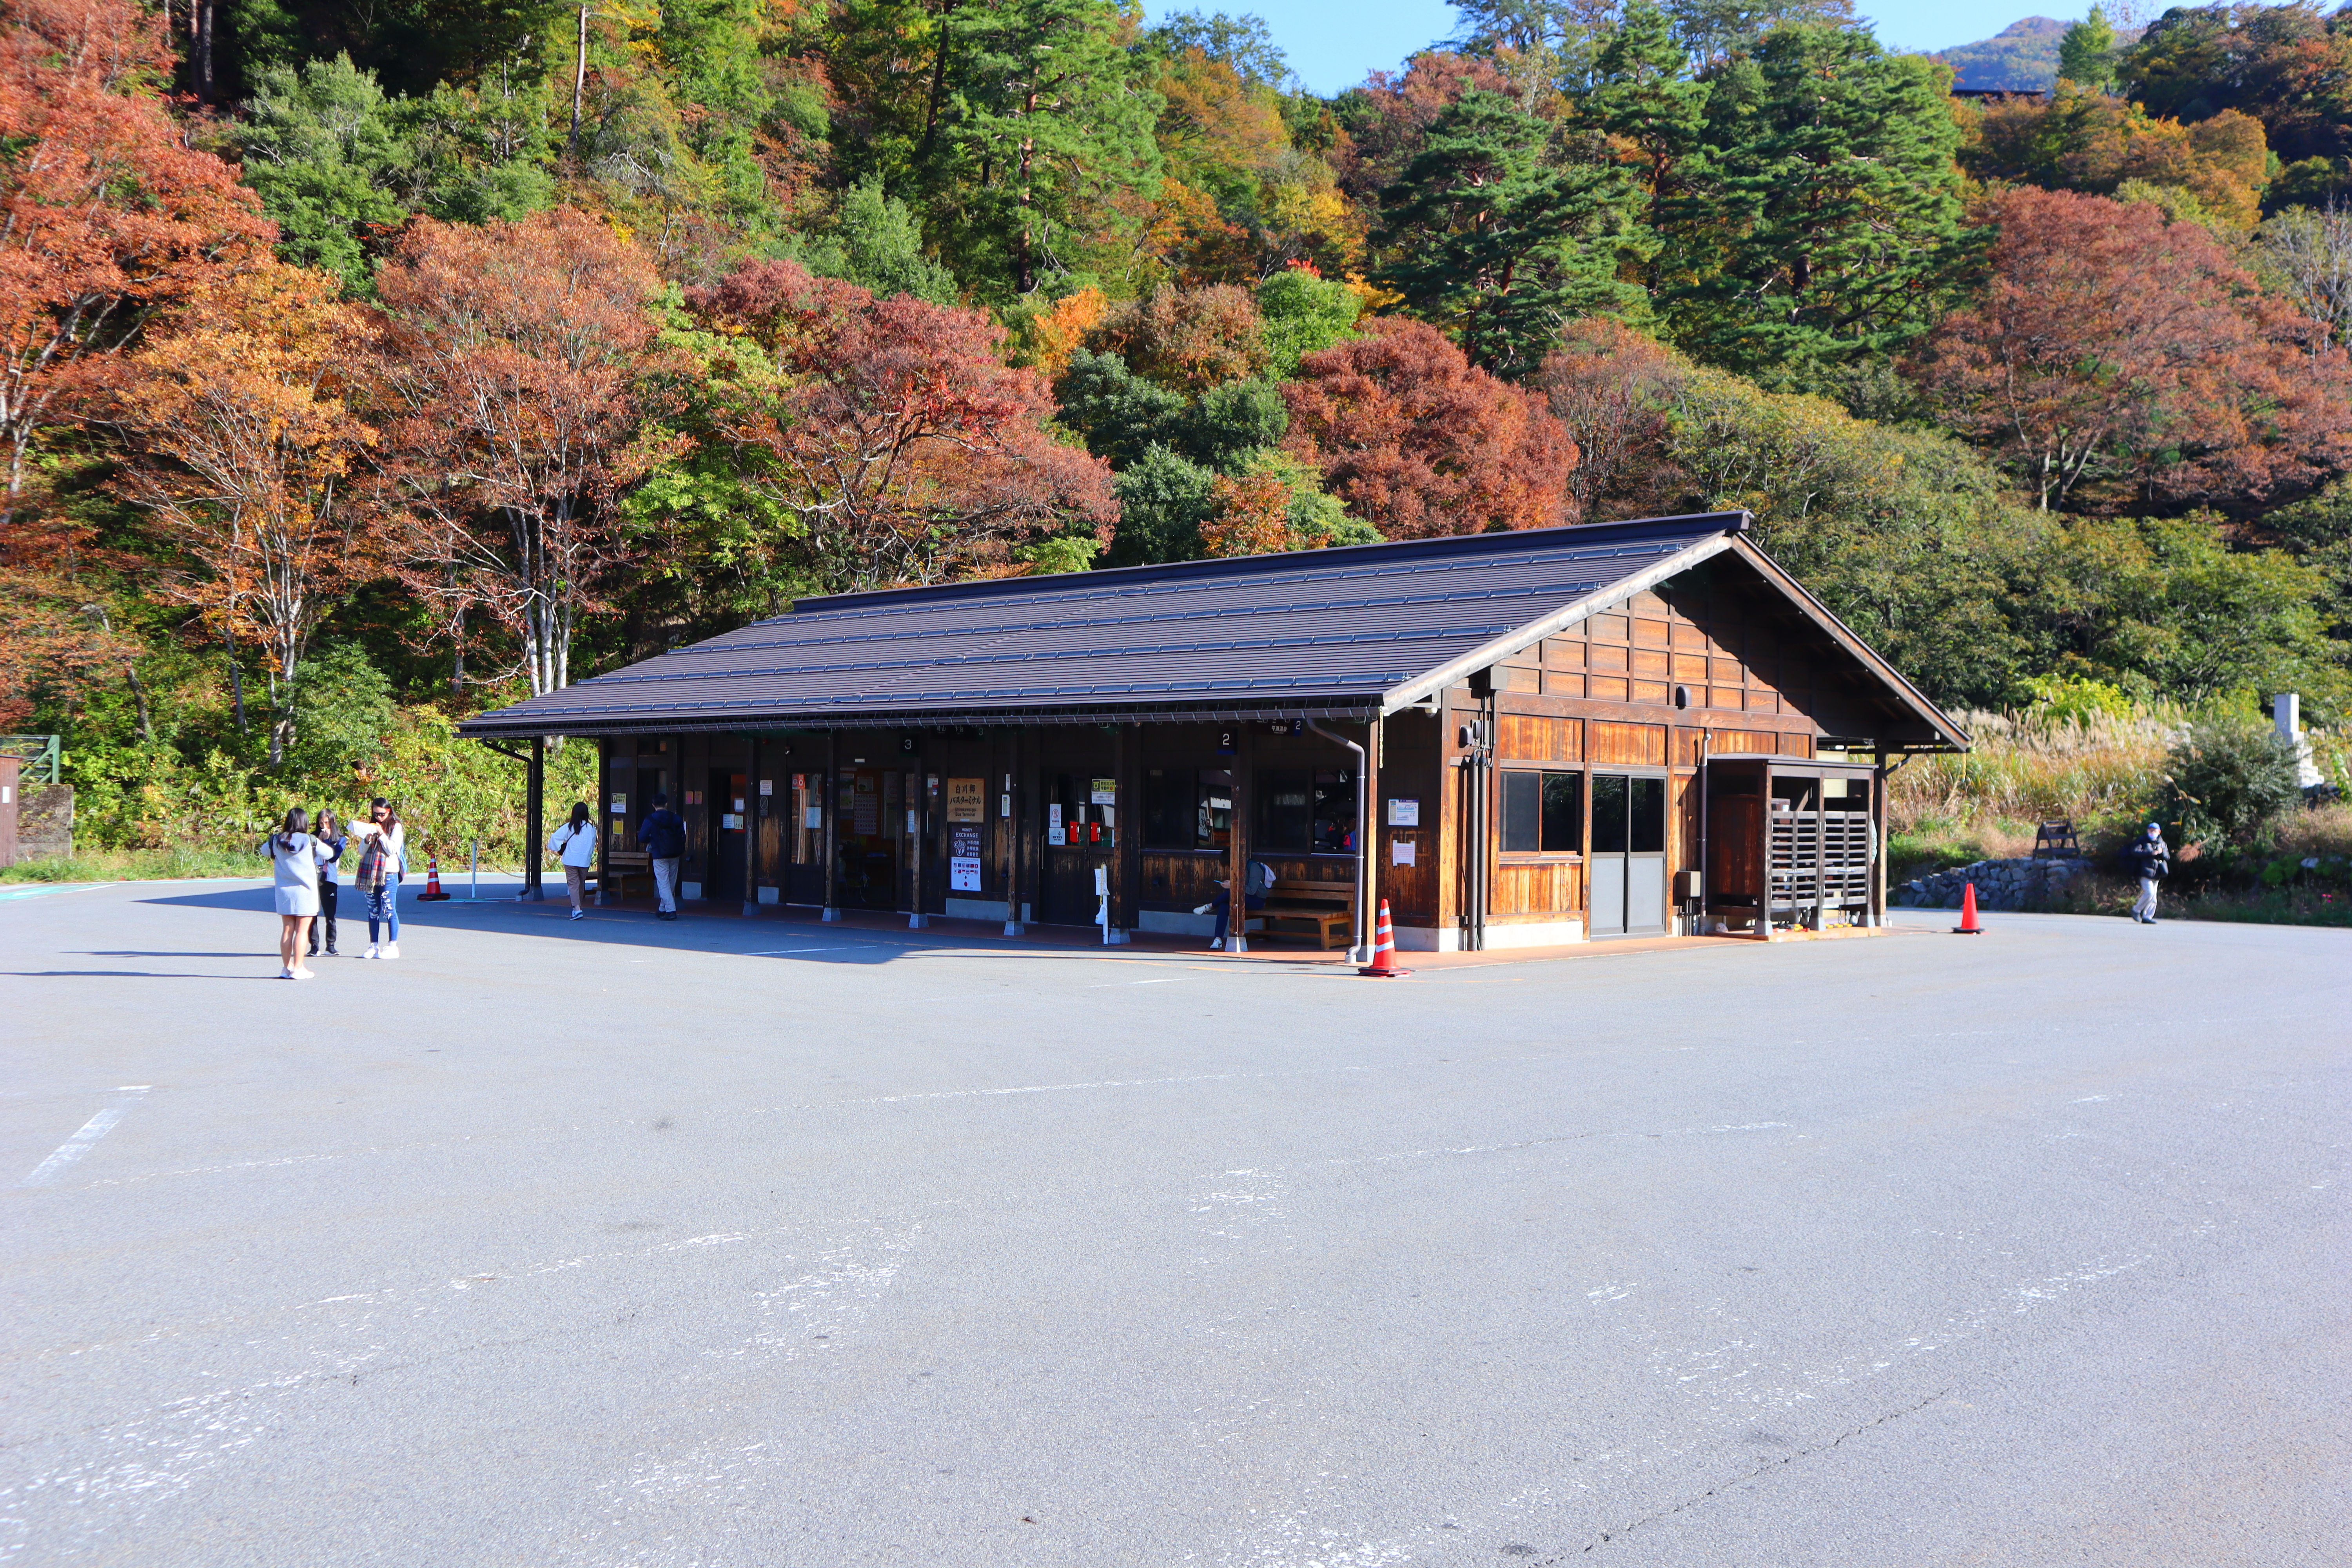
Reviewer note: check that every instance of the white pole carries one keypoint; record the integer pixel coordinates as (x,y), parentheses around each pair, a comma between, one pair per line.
(477,870)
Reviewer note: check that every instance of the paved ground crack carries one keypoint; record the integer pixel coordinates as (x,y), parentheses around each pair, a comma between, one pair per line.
(1608,1536)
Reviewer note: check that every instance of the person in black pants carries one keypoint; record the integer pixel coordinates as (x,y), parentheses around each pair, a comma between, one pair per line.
(331,833)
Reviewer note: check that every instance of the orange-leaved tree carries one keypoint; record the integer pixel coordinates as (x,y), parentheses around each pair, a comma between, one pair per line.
(518,372)
(107,216)
(889,433)
(1418,441)
(2112,344)
(239,440)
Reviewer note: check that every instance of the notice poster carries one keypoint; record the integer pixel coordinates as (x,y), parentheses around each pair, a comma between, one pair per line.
(1404,814)
(963,875)
(812,818)
(1054,833)
(866,806)
(966,799)
(1105,792)
(1400,851)
(964,842)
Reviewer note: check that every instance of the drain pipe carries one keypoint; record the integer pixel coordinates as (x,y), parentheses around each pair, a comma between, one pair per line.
(1362,952)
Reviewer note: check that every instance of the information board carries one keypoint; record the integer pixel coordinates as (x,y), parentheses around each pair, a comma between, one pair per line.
(966,799)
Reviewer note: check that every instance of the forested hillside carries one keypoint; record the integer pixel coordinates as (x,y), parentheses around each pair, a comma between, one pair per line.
(367,365)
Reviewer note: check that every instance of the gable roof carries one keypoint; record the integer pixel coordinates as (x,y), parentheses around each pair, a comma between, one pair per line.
(1332,633)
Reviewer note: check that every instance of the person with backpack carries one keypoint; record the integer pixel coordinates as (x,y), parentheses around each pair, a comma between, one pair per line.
(295,858)
(2150,860)
(330,833)
(662,838)
(1257,881)
(575,844)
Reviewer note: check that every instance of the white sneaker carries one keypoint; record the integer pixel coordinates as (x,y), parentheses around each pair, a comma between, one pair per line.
(371,952)
(283,972)
(302,974)
(391,950)
(579,914)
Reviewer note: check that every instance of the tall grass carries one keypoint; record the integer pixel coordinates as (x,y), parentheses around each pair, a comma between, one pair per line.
(2097,771)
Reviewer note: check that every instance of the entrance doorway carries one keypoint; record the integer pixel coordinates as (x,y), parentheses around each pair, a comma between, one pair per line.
(1629,855)
(869,838)
(730,808)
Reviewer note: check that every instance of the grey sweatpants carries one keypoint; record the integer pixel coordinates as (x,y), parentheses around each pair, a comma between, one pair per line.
(665,885)
(2146,908)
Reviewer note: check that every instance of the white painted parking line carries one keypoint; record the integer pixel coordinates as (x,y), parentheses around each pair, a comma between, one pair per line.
(1114,984)
(779,952)
(75,1147)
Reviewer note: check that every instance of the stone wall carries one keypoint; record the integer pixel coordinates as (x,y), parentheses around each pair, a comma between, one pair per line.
(2021,884)
(45,822)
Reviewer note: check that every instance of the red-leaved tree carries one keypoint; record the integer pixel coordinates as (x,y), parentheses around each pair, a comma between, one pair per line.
(518,367)
(1416,441)
(890,433)
(106,216)
(2111,344)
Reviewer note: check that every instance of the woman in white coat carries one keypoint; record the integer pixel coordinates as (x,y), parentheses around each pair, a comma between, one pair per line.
(295,858)
(575,844)
(383,846)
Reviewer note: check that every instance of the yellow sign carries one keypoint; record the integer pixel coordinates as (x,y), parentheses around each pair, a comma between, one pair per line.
(967,800)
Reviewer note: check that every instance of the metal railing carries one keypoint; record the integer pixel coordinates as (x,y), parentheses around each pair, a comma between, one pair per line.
(41,755)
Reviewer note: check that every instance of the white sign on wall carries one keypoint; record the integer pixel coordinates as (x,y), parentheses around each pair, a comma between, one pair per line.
(1404,814)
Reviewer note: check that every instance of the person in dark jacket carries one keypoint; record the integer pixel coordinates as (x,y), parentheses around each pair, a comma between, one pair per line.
(2151,862)
(663,838)
(330,833)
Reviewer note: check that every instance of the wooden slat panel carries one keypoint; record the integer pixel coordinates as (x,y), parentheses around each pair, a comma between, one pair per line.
(1614,628)
(1649,632)
(1744,742)
(1797,745)
(1689,666)
(1640,745)
(1608,656)
(1726,670)
(1649,691)
(1729,697)
(1537,887)
(1564,653)
(1563,683)
(1533,738)
(1650,662)
(1608,688)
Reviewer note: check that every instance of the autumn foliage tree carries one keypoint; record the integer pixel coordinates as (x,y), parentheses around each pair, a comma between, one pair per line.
(1417,441)
(517,370)
(889,433)
(241,447)
(2110,343)
(107,216)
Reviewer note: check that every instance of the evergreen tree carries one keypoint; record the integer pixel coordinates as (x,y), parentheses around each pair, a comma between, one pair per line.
(324,148)
(1044,138)
(1643,94)
(2087,53)
(1494,238)
(878,245)
(1826,227)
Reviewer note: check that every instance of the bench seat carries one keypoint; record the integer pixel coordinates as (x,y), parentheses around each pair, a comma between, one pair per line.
(1327,909)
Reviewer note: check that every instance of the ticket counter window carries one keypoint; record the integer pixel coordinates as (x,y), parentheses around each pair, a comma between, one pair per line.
(1187,808)
(1082,821)
(1305,810)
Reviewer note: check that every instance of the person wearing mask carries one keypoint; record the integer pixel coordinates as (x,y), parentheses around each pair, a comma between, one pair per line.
(662,838)
(330,833)
(1257,881)
(295,858)
(382,858)
(575,844)
(2150,860)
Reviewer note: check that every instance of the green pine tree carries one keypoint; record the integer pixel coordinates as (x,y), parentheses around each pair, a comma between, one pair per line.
(323,147)
(1043,140)
(2087,54)
(1492,237)
(1643,94)
(1826,229)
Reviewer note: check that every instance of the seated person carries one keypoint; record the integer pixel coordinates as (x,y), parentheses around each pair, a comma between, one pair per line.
(1257,880)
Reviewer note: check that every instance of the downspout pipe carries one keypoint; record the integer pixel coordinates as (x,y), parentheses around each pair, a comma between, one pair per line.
(1362,952)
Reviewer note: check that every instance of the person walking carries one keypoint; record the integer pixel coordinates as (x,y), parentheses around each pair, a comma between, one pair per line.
(383,860)
(575,844)
(2151,861)
(295,858)
(664,839)
(330,833)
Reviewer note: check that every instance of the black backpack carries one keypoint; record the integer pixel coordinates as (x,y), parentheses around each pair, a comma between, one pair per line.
(666,835)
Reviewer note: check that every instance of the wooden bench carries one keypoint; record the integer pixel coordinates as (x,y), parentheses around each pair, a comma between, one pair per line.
(624,867)
(1327,908)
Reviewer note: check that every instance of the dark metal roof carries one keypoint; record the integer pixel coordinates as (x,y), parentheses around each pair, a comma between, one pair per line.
(1332,631)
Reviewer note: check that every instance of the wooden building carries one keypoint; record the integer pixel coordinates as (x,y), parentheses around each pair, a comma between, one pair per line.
(1515,739)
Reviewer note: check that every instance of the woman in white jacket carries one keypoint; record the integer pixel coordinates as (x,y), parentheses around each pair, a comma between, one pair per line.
(296,857)
(575,844)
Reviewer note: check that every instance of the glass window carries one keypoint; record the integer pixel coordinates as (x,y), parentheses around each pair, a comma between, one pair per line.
(1335,811)
(1170,807)
(1648,817)
(1286,809)
(1608,813)
(1563,813)
(1214,816)
(1522,813)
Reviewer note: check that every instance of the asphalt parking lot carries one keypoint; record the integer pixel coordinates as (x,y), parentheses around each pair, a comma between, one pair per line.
(741,1244)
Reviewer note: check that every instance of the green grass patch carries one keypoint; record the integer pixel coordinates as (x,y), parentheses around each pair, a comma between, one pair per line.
(138,866)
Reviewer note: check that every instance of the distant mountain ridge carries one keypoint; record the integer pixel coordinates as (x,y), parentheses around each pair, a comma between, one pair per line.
(2023,55)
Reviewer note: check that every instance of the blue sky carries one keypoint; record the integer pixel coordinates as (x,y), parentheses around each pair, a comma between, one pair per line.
(1333,43)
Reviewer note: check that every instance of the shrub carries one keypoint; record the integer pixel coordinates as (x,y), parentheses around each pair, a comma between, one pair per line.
(2225,780)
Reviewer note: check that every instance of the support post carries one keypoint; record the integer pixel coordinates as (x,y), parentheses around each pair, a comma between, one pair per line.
(919,842)
(535,808)
(757,809)
(1237,842)
(828,797)
(1127,830)
(604,809)
(1029,811)
(1009,830)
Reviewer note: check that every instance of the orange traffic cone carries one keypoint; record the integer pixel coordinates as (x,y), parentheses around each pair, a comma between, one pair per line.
(431,892)
(1383,965)
(1968,926)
